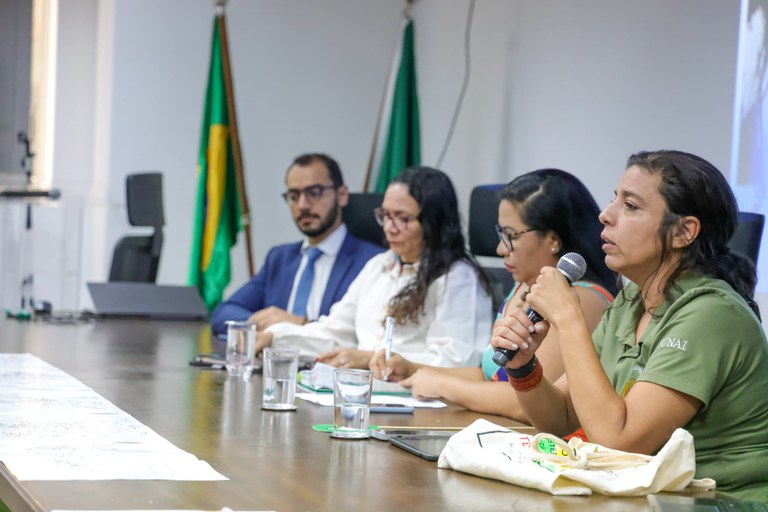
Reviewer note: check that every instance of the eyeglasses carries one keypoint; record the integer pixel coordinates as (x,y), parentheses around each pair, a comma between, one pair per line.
(507,238)
(399,220)
(312,193)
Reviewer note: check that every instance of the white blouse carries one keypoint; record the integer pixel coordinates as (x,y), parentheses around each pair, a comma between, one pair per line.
(453,330)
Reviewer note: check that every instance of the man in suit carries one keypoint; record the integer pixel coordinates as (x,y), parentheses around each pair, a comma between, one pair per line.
(301,281)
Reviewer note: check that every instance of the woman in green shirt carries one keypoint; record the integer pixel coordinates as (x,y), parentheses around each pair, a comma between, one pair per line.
(682,344)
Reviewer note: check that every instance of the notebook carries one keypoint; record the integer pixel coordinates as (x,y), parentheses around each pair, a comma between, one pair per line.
(147,300)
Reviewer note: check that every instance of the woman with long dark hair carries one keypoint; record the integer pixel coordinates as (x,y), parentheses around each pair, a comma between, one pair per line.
(682,344)
(427,281)
(543,215)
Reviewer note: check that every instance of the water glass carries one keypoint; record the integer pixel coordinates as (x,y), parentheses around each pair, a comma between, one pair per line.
(241,348)
(351,403)
(280,367)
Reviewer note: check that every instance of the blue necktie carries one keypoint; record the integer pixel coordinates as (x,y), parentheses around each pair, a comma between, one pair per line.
(305,282)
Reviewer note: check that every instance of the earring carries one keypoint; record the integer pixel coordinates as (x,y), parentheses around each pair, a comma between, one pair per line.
(554,250)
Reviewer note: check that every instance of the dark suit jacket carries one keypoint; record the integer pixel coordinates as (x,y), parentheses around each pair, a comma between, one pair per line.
(272,285)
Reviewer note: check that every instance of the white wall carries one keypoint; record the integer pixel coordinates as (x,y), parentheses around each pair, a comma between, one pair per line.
(600,80)
(577,85)
(307,77)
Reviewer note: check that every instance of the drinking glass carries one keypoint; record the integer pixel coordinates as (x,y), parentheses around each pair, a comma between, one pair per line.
(280,367)
(352,391)
(241,348)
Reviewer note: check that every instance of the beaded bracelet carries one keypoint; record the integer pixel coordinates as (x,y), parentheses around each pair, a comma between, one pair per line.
(527,377)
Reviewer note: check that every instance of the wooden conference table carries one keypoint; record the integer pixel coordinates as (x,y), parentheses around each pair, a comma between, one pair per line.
(274,460)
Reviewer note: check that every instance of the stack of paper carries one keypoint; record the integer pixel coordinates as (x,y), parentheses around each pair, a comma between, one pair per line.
(326,399)
(320,380)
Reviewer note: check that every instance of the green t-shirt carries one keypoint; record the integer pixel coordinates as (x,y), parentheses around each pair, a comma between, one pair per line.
(706,343)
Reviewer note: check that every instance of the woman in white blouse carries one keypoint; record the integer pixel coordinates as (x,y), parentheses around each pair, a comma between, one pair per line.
(427,282)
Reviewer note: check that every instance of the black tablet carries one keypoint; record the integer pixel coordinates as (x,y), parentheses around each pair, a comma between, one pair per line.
(426,446)
(681,503)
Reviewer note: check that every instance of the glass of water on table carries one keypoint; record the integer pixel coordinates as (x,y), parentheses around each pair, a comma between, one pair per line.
(352,391)
(241,348)
(280,367)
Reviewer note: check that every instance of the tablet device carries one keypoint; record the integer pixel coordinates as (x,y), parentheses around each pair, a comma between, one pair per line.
(426,446)
(212,361)
(216,361)
(679,503)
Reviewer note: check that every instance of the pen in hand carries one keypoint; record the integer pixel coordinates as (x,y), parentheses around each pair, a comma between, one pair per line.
(388,326)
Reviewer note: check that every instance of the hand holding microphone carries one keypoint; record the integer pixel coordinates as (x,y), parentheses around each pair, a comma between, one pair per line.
(573,267)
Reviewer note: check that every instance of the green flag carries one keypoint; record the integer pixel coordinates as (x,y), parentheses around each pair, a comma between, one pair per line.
(217,214)
(403,147)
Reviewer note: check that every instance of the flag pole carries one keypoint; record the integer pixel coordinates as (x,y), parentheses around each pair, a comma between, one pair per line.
(374,145)
(245,212)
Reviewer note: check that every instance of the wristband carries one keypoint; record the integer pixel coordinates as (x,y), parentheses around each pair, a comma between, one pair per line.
(527,377)
(524,371)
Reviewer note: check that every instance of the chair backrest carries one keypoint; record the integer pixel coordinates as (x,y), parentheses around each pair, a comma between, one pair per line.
(144,199)
(133,260)
(483,240)
(483,216)
(749,232)
(136,258)
(358,216)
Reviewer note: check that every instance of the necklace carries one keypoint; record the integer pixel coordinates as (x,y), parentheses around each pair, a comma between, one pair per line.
(519,298)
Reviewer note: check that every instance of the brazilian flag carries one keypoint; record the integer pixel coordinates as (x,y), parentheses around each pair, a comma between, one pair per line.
(402,147)
(217,214)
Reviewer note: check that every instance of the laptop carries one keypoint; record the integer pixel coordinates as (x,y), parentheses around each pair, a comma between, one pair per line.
(147,300)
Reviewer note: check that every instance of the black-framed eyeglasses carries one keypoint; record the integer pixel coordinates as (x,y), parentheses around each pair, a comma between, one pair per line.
(398,219)
(312,193)
(507,238)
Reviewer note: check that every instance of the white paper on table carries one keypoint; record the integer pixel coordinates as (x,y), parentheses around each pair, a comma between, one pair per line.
(326,399)
(320,378)
(54,427)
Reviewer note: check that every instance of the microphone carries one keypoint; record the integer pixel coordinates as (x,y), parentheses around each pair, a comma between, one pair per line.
(573,267)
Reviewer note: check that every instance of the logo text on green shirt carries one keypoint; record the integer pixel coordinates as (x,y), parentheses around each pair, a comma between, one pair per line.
(673,343)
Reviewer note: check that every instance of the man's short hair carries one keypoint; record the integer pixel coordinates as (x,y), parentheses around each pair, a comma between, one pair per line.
(334,172)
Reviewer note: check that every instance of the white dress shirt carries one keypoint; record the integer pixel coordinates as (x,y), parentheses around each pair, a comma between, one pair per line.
(453,331)
(330,246)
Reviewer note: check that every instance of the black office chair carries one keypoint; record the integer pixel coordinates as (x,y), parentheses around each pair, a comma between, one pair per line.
(483,240)
(136,258)
(358,216)
(749,232)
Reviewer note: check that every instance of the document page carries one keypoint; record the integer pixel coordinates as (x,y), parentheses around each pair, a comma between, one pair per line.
(54,427)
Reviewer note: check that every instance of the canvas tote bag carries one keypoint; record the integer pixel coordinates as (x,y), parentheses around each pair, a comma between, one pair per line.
(549,464)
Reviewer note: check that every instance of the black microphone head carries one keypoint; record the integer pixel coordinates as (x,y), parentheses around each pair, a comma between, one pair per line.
(572,265)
